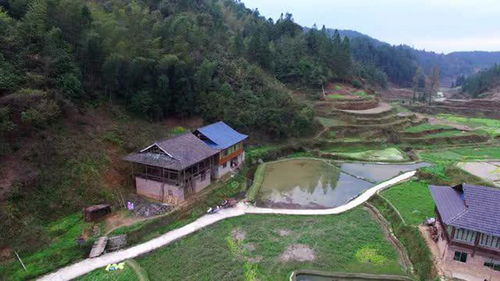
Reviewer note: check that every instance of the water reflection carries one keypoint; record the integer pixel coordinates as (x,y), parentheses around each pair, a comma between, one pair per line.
(314,184)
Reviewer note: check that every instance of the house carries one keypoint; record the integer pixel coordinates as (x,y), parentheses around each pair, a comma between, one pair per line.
(229,144)
(173,169)
(468,221)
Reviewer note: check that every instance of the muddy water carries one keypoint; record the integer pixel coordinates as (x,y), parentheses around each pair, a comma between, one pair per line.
(377,173)
(308,184)
(315,184)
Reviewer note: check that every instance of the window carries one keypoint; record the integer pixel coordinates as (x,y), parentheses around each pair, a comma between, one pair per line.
(460,256)
(493,264)
(224,165)
(203,176)
(489,241)
(464,235)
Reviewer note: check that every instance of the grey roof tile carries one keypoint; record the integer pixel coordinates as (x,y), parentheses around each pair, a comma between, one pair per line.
(475,207)
(183,151)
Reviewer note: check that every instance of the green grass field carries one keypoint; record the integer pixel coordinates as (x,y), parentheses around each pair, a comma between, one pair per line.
(388,154)
(461,154)
(449,133)
(412,199)
(127,274)
(360,94)
(351,242)
(335,96)
(425,127)
(491,126)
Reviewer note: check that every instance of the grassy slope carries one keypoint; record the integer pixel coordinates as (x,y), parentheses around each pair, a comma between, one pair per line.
(340,243)
(491,126)
(413,200)
(79,165)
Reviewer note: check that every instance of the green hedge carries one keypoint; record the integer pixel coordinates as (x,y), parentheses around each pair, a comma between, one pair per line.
(258,179)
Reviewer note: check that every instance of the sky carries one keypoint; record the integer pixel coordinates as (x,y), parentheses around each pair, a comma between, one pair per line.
(442,26)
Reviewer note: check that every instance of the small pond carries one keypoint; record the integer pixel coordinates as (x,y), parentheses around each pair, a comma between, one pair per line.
(315,184)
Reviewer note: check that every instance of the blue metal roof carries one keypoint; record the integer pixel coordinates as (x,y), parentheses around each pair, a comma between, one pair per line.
(220,135)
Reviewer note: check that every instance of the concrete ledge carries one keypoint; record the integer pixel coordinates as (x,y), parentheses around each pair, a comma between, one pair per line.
(345,275)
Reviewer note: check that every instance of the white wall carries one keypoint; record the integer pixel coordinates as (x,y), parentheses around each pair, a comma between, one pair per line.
(154,190)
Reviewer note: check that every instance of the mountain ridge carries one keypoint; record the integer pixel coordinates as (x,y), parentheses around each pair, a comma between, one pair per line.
(452,65)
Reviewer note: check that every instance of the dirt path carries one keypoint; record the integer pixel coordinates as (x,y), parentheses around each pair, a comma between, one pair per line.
(382,107)
(404,260)
(88,265)
(438,121)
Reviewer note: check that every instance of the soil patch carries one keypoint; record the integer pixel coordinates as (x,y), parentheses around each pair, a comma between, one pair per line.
(298,252)
(13,171)
(250,247)
(284,232)
(382,107)
(485,170)
(119,219)
(238,234)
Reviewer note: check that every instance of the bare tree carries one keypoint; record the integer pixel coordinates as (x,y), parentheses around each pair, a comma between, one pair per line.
(416,80)
(434,83)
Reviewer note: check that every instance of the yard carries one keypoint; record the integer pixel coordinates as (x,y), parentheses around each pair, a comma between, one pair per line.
(270,247)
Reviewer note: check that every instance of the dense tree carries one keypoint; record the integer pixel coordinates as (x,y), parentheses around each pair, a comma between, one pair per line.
(481,82)
(398,62)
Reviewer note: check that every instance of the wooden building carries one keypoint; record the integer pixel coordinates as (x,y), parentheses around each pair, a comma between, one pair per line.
(229,144)
(173,169)
(468,220)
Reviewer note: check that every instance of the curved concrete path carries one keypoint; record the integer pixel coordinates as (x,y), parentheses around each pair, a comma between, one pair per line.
(88,265)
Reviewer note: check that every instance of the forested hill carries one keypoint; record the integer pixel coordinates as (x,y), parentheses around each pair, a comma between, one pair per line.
(451,66)
(78,78)
(215,59)
(481,82)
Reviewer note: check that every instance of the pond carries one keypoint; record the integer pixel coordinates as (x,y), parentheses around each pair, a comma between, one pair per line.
(316,184)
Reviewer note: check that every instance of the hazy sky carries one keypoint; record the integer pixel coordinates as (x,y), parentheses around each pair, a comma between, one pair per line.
(434,25)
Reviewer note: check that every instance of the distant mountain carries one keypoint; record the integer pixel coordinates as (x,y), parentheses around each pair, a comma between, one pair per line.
(456,64)
(451,65)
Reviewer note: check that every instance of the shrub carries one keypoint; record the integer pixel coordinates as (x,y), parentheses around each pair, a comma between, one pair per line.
(357,84)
